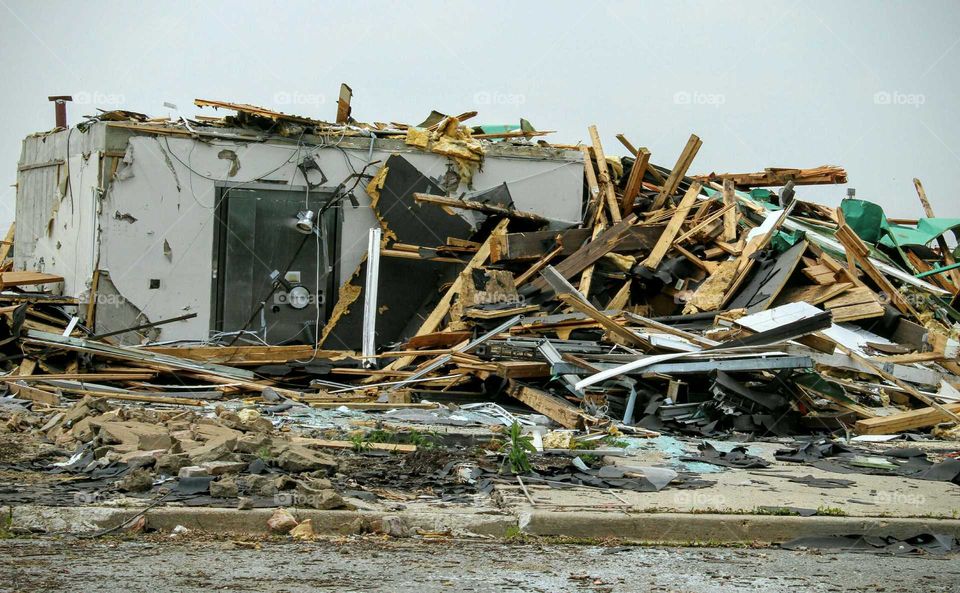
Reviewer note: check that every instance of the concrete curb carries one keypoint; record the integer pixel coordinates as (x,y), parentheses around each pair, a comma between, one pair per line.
(680,528)
(667,528)
(85,520)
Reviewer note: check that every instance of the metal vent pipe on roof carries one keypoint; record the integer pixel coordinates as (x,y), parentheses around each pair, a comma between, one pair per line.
(60,104)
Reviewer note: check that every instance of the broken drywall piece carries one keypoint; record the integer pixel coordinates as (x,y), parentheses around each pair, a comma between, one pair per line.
(230,155)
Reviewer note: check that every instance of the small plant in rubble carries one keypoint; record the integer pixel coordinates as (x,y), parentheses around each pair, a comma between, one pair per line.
(521,446)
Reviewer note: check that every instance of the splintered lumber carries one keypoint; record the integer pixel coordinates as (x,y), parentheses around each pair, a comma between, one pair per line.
(606,184)
(770,177)
(586,280)
(635,180)
(673,227)
(23,391)
(707,221)
(814,295)
(539,265)
(531,246)
(213,373)
(8,279)
(941,241)
(437,339)
(859,252)
(433,321)
(679,170)
(479,207)
(856,303)
(130,396)
(745,262)
(912,420)
(902,385)
(551,406)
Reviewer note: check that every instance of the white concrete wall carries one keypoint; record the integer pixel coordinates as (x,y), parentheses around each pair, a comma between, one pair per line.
(164,192)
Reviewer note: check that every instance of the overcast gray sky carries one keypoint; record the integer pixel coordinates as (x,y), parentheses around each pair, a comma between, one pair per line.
(871,86)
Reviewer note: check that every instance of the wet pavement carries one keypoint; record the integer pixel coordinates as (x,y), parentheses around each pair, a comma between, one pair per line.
(194,565)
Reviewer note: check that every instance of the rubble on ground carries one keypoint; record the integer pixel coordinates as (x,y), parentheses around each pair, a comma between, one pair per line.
(684,305)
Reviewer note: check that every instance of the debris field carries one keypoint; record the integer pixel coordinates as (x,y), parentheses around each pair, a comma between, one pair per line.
(517,349)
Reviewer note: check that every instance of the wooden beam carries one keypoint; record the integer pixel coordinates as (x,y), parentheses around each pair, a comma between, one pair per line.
(551,406)
(635,181)
(479,207)
(606,183)
(678,172)
(771,177)
(729,216)
(8,279)
(91,319)
(586,280)
(247,355)
(627,144)
(329,444)
(539,264)
(911,420)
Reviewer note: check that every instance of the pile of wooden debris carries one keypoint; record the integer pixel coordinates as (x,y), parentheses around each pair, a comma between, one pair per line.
(695,304)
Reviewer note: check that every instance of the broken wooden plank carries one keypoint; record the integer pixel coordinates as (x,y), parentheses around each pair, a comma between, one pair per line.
(679,170)
(824,175)
(589,253)
(906,421)
(606,183)
(860,254)
(551,406)
(673,227)
(945,251)
(479,207)
(332,444)
(901,384)
(7,244)
(8,279)
(635,181)
(531,246)
(729,216)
